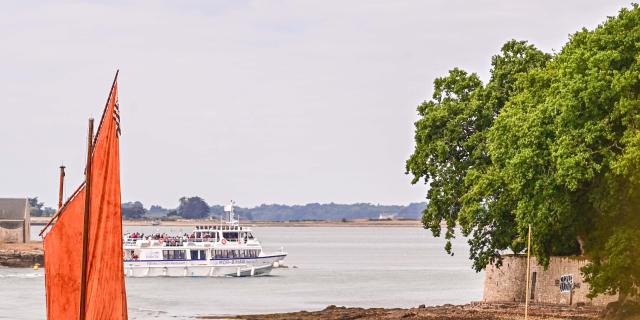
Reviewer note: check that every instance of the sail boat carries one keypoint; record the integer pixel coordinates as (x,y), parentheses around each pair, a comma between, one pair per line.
(84,276)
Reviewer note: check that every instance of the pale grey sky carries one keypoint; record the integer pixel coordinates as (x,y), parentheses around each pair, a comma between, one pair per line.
(257,101)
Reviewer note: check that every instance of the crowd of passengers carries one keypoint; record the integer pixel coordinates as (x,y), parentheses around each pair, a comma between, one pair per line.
(170,240)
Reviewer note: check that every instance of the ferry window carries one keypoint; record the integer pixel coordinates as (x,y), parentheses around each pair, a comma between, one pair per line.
(232,236)
(173,254)
(198,255)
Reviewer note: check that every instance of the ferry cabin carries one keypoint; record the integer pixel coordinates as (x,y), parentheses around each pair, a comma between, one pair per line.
(224,241)
(199,254)
(207,251)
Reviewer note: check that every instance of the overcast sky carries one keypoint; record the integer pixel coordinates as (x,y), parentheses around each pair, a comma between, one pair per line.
(257,101)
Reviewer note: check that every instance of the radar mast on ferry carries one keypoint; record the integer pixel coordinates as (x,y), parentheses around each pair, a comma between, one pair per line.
(231,216)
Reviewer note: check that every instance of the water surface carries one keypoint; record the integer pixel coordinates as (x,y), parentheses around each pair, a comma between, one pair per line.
(348,266)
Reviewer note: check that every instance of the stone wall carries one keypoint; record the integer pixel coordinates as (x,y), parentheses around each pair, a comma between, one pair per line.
(508,283)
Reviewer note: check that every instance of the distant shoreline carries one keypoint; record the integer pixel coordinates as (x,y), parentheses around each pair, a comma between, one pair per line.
(182,223)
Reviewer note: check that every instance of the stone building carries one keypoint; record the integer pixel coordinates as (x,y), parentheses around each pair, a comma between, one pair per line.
(561,283)
(14,220)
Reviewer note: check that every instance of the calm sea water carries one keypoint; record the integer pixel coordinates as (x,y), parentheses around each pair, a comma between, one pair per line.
(348,266)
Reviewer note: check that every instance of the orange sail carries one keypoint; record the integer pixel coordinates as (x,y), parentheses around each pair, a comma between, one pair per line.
(105,296)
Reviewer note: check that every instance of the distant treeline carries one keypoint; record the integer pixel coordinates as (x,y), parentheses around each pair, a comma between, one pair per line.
(37,208)
(197,208)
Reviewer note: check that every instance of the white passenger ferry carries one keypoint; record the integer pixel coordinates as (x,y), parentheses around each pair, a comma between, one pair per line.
(227,249)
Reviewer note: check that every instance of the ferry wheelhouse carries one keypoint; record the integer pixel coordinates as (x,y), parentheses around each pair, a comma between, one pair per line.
(227,249)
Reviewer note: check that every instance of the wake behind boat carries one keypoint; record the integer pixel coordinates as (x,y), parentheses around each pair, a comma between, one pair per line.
(227,249)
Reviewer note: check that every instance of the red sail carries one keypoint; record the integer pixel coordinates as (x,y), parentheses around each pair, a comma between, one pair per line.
(105,287)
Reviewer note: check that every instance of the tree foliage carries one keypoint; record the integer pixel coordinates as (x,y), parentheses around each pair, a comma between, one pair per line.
(35,207)
(193,208)
(133,210)
(550,141)
(452,153)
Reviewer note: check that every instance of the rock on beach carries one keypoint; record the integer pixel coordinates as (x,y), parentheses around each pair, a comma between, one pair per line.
(21,255)
(473,311)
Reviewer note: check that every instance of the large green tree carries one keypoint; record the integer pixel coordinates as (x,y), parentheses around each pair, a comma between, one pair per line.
(560,151)
(451,151)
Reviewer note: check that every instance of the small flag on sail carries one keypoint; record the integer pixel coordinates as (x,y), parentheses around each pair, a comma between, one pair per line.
(104,287)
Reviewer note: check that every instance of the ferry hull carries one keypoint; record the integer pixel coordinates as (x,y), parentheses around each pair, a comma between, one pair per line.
(202,268)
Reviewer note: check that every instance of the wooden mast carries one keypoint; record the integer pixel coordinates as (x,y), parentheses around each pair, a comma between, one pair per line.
(61,193)
(85,225)
(526,293)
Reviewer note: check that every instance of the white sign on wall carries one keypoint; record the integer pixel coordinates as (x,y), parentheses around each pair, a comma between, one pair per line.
(566,283)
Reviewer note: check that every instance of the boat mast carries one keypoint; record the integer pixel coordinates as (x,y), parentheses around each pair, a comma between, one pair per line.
(85,223)
(61,193)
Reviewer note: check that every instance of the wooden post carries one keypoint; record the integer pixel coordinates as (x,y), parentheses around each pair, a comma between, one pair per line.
(526,294)
(85,225)
(571,293)
(61,193)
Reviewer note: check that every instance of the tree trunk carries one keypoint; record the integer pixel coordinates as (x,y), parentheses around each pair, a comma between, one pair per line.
(581,243)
